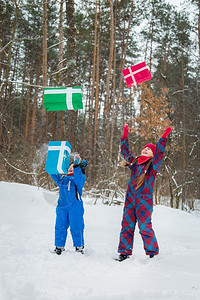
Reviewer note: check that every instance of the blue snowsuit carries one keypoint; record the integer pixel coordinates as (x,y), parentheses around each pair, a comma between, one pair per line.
(69,211)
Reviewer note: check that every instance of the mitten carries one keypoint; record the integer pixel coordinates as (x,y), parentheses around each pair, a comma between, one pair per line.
(77,159)
(83,165)
(125,133)
(167,132)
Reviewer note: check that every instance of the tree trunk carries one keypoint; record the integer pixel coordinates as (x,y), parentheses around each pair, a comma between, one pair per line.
(22,95)
(34,113)
(4,85)
(91,99)
(96,117)
(123,59)
(82,152)
(10,135)
(28,109)
(183,130)
(10,51)
(60,49)
(59,116)
(114,82)
(85,114)
(44,56)
(151,36)
(199,27)
(107,104)
(72,116)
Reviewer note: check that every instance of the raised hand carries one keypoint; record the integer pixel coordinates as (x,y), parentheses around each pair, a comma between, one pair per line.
(77,159)
(83,165)
(125,133)
(167,132)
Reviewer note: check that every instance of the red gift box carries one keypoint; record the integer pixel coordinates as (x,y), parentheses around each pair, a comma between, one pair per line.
(136,74)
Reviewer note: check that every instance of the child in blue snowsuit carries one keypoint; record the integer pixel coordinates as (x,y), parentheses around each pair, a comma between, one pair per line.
(69,211)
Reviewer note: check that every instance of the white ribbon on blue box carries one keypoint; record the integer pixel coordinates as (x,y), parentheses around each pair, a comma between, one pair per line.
(58,157)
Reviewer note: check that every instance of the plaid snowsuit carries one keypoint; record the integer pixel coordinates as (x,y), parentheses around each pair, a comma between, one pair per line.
(139,203)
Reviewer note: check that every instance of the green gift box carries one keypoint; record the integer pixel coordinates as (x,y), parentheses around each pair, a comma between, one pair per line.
(62,98)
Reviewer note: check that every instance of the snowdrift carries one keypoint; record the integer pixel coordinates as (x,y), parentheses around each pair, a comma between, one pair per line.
(29,270)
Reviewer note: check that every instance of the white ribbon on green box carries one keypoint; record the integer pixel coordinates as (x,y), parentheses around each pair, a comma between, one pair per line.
(62,98)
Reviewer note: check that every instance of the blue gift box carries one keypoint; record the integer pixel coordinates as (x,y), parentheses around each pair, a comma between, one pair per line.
(58,157)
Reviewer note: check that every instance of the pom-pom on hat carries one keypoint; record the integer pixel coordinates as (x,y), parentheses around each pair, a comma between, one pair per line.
(151,146)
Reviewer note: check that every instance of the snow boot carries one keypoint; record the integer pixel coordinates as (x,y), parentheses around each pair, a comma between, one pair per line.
(151,255)
(79,249)
(59,250)
(122,257)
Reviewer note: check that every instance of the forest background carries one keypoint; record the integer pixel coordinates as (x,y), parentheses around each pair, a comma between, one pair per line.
(88,43)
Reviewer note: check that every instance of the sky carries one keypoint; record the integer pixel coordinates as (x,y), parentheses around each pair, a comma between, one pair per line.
(175,2)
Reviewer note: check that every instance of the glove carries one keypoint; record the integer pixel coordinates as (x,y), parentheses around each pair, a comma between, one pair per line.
(77,159)
(83,165)
(125,133)
(167,132)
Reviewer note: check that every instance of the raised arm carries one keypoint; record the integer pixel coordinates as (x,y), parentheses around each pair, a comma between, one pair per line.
(160,150)
(125,152)
(166,133)
(57,178)
(79,175)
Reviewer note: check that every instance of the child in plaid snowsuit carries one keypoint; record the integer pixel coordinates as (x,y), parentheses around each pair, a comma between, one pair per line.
(139,197)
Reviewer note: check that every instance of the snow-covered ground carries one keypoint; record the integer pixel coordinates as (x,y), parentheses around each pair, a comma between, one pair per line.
(29,271)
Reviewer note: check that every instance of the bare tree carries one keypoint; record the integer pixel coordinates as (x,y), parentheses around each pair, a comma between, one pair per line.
(44,56)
